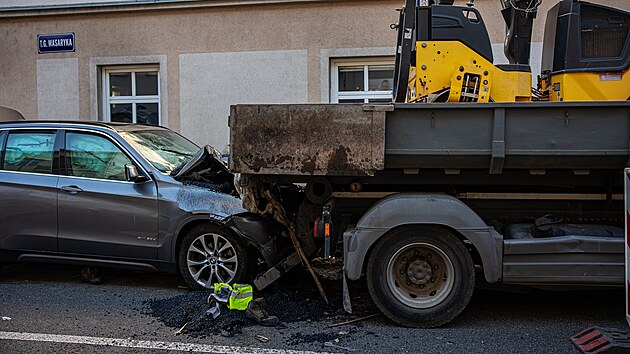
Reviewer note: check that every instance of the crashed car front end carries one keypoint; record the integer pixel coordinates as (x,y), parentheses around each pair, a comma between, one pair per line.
(208,187)
(204,229)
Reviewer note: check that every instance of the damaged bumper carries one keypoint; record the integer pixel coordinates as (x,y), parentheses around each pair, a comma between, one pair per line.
(269,237)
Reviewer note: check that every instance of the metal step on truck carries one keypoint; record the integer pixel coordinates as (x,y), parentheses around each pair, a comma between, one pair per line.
(469,176)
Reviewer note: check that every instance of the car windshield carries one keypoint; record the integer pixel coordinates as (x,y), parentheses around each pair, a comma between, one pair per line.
(164,149)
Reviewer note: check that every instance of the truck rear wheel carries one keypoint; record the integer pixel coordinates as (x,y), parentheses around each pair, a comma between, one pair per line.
(420,277)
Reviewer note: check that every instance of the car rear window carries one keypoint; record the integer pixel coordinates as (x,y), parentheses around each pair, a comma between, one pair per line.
(29,152)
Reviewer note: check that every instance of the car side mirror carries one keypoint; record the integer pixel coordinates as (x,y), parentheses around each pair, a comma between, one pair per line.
(132,175)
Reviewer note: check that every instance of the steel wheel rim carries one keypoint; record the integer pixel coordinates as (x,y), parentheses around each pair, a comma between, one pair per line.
(211,258)
(420,275)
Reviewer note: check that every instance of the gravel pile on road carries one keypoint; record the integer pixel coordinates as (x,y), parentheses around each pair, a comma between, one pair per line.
(190,310)
(294,298)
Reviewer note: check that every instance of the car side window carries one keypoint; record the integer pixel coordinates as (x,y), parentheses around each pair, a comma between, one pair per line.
(3,138)
(94,156)
(29,152)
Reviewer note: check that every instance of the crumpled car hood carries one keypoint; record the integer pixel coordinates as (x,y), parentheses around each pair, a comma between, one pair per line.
(206,169)
(205,158)
(199,200)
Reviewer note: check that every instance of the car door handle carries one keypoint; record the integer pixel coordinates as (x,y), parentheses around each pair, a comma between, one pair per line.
(71,189)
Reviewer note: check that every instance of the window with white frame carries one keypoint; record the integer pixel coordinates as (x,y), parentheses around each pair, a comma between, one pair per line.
(362,80)
(131,94)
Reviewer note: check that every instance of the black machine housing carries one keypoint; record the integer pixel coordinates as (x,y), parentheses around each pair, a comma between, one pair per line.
(581,36)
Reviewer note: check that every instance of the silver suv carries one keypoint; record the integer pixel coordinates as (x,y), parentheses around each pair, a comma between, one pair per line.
(126,196)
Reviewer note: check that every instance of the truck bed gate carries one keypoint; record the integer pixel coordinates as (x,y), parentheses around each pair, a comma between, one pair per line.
(342,140)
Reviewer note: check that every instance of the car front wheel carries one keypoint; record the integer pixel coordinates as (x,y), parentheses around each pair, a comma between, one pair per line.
(210,254)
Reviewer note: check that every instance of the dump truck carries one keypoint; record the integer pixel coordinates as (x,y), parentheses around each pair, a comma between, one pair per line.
(470,176)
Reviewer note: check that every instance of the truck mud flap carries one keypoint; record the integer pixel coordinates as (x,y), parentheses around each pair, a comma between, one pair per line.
(597,340)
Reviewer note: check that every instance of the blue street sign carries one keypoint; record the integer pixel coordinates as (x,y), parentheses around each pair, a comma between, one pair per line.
(55,43)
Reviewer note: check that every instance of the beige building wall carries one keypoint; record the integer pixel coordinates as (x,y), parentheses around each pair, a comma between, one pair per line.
(210,82)
(58,88)
(307,27)
(285,53)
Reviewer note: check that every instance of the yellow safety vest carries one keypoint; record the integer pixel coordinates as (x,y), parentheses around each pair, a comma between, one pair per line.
(240,295)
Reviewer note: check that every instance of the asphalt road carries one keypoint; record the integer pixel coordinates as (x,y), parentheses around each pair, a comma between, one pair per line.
(44,300)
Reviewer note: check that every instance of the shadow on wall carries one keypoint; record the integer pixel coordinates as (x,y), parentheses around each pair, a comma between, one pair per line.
(8,115)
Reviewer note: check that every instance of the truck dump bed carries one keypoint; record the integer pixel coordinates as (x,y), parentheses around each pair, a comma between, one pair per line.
(360,140)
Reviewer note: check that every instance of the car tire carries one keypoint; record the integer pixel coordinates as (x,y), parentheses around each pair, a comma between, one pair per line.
(420,276)
(211,254)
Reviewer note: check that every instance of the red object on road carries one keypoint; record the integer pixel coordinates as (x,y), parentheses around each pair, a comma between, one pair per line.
(595,340)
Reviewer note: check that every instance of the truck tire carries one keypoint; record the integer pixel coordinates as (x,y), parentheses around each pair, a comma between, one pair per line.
(210,254)
(420,276)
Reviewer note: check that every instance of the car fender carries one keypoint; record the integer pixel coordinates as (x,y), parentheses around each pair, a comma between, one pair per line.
(264,234)
(170,245)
